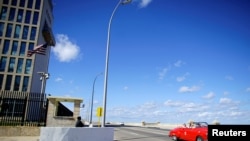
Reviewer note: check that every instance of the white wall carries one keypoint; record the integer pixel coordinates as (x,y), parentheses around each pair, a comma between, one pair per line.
(76,134)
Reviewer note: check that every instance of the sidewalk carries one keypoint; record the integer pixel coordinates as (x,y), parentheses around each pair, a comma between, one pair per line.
(20,138)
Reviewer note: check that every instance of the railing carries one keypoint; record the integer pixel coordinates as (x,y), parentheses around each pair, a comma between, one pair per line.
(23,109)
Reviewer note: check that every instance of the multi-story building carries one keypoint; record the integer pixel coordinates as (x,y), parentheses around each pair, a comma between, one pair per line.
(24,24)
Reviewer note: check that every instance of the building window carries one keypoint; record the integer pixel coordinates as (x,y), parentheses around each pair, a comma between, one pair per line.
(3,13)
(25,32)
(17,31)
(11,64)
(38,3)
(27,67)
(22,3)
(33,33)
(35,18)
(20,15)
(17,83)
(9,30)
(27,17)
(14,48)
(31,46)
(22,49)
(14,2)
(30,3)
(25,83)
(6,46)
(3,64)
(12,14)
(1,81)
(5,1)
(1,28)
(19,65)
(8,82)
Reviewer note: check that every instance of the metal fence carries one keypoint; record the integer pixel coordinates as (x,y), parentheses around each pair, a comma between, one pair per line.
(23,109)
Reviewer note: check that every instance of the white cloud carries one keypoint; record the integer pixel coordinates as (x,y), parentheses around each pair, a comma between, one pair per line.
(192,107)
(172,103)
(143,3)
(65,50)
(233,113)
(163,73)
(149,105)
(58,79)
(179,63)
(210,95)
(248,89)
(67,95)
(225,93)
(204,114)
(182,78)
(96,102)
(185,89)
(225,101)
(189,105)
(180,111)
(125,88)
(146,110)
(229,78)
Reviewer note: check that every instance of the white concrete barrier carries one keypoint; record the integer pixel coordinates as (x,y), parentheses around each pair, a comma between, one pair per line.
(76,134)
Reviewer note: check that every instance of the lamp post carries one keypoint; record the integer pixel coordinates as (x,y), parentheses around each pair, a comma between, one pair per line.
(92,99)
(121,2)
(43,78)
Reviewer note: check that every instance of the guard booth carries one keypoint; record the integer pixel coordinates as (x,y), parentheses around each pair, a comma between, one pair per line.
(59,115)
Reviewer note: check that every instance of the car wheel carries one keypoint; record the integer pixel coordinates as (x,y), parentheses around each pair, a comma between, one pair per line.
(174,138)
(199,139)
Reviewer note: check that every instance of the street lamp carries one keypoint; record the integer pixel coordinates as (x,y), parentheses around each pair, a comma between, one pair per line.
(123,2)
(92,99)
(43,78)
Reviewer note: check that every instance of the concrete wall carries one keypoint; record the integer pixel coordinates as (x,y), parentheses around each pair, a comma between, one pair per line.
(19,131)
(76,134)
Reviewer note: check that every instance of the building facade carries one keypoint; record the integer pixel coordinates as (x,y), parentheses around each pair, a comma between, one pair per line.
(24,25)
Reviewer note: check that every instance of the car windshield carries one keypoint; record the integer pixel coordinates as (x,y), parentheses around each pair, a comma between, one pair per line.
(200,124)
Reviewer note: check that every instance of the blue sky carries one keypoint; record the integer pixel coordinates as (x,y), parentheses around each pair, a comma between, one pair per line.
(170,60)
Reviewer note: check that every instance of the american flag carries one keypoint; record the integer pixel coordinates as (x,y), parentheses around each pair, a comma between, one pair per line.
(41,49)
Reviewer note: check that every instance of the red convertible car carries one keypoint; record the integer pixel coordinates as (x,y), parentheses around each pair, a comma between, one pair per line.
(194,131)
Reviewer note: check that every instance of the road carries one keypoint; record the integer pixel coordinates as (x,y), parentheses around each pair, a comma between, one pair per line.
(140,134)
